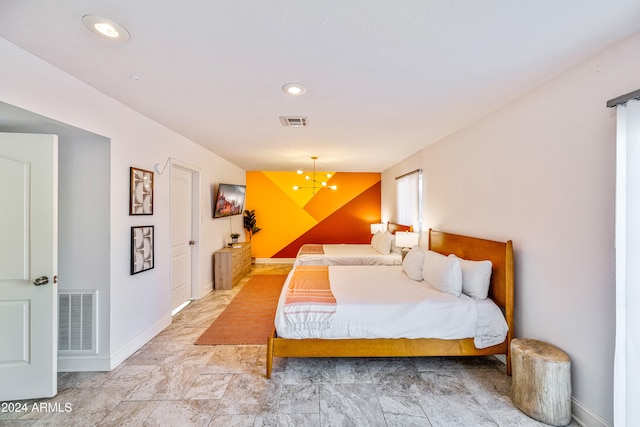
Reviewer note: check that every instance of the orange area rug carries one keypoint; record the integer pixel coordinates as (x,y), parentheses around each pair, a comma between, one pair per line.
(248,319)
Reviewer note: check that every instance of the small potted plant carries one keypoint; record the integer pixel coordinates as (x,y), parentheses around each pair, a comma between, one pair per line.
(250,222)
(251,226)
(234,237)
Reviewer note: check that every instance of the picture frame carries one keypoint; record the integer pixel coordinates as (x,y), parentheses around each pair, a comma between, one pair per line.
(140,192)
(142,248)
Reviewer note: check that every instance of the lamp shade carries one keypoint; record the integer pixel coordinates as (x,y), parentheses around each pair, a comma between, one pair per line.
(406,239)
(377,227)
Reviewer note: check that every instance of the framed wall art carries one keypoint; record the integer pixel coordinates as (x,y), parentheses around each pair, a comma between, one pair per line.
(141,192)
(229,200)
(142,258)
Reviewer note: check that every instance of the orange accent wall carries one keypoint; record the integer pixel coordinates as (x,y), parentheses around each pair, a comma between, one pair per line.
(287,217)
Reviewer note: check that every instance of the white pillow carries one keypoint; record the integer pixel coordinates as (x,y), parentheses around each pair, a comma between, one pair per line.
(442,272)
(383,242)
(375,239)
(412,263)
(476,276)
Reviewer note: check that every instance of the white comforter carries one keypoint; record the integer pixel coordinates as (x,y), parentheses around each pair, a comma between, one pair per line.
(349,254)
(382,302)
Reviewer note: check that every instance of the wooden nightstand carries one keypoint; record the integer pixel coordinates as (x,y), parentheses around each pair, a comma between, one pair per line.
(230,265)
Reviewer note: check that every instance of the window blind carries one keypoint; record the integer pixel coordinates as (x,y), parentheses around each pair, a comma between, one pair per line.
(409,199)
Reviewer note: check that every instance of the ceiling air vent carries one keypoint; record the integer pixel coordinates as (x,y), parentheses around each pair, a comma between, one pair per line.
(293,122)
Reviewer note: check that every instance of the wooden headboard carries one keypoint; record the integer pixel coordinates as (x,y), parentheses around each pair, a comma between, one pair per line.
(499,253)
(392,227)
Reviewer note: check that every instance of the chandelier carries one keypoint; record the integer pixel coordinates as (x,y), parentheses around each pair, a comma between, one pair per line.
(315,183)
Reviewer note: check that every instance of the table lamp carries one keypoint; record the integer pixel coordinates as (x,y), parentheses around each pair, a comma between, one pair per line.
(406,240)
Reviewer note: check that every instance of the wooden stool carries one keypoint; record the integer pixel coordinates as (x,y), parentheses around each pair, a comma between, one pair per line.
(541,381)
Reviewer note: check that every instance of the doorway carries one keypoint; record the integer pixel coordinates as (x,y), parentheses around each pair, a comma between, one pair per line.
(185,232)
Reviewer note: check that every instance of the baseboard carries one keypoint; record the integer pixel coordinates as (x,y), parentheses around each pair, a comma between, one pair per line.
(132,346)
(585,416)
(275,260)
(501,357)
(83,363)
(206,290)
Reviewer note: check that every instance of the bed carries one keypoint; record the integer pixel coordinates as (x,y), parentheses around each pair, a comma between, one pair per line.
(501,292)
(352,254)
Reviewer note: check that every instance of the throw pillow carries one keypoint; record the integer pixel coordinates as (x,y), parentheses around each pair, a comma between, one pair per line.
(442,272)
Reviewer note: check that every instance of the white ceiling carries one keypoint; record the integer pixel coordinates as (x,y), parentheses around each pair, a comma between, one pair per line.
(384,78)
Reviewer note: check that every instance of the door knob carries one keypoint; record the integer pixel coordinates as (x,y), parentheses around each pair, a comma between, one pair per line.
(42,280)
(192,242)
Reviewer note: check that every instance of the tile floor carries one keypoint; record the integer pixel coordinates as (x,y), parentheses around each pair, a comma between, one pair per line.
(171,382)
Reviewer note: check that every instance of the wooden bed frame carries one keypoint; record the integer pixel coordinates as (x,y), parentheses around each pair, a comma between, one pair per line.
(500,291)
(392,227)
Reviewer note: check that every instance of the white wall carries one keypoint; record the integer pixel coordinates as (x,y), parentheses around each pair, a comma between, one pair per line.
(140,305)
(541,172)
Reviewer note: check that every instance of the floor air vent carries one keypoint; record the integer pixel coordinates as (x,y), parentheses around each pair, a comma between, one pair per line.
(77,321)
(293,122)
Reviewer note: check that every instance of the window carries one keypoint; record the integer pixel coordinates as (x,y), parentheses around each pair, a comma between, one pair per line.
(409,199)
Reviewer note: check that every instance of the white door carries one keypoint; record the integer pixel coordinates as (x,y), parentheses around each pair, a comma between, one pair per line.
(28,265)
(182,239)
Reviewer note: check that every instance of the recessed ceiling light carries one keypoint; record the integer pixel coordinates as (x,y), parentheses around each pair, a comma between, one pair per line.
(106,28)
(294,89)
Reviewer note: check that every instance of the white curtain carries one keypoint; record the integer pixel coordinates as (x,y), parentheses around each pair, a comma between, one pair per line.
(627,348)
(409,199)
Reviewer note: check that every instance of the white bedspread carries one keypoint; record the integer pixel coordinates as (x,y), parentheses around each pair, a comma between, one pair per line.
(349,254)
(383,302)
